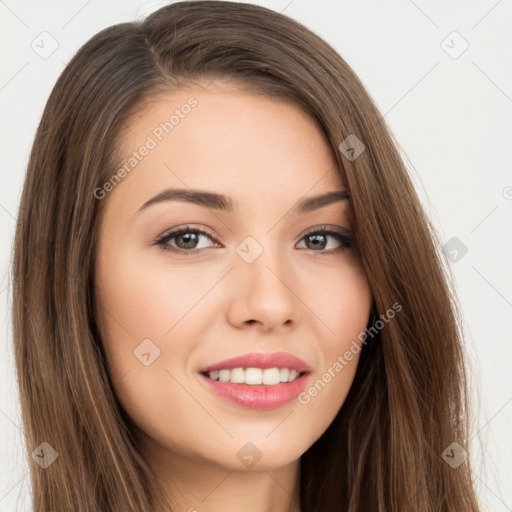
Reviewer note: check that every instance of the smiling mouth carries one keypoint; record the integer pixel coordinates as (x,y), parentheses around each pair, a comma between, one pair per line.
(256,388)
(255,376)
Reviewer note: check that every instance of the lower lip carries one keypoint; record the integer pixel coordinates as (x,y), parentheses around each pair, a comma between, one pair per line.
(258,397)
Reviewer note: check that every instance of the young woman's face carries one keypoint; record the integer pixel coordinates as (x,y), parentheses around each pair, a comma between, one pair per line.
(251,274)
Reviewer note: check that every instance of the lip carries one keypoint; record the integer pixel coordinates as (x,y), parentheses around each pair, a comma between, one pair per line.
(258,397)
(260,360)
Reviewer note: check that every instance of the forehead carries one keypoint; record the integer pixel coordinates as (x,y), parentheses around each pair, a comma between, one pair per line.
(227,141)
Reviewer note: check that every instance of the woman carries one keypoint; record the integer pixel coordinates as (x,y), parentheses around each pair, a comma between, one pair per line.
(226,293)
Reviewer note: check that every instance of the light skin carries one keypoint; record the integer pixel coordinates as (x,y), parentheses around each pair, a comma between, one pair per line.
(307,296)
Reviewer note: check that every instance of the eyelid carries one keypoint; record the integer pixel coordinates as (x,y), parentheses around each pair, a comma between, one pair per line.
(326,228)
(186,228)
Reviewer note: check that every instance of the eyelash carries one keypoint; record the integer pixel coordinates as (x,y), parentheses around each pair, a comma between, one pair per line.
(345,240)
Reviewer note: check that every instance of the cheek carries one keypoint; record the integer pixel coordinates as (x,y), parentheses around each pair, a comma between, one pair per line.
(134,304)
(341,298)
(144,299)
(144,325)
(345,309)
(346,306)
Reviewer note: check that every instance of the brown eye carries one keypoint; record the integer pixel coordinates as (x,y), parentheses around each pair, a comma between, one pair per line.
(187,240)
(319,241)
(183,240)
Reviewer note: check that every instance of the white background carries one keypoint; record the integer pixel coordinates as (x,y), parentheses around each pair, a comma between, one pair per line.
(451,116)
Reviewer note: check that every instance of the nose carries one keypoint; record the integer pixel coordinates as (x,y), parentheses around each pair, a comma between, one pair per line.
(264,294)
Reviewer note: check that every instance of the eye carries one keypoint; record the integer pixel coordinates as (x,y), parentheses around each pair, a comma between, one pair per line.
(184,240)
(187,240)
(318,240)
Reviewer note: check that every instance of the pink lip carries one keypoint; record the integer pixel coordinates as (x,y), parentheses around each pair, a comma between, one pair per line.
(258,397)
(259,360)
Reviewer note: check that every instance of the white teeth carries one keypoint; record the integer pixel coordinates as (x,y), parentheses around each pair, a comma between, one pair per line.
(224,375)
(237,375)
(255,376)
(271,376)
(293,375)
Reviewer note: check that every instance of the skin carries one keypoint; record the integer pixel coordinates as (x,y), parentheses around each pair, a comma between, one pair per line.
(199,309)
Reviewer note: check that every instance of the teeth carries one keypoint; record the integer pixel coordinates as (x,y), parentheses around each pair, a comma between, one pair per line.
(271,376)
(224,375)
(237,375)
(255,376)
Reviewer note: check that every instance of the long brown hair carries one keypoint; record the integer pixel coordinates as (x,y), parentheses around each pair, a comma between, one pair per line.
(408,402)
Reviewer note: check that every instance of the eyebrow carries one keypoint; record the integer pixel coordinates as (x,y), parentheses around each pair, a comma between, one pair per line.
(223,203)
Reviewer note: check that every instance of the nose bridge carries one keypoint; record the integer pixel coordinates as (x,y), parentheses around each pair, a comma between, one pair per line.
(263,261)
(264,283)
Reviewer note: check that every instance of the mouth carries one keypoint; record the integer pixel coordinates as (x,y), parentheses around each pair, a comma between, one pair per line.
(268,394)
(257,381)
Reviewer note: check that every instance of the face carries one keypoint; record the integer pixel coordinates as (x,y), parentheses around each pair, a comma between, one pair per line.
(187,282)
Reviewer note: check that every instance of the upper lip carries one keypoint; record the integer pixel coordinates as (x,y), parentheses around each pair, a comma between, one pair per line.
(260,360)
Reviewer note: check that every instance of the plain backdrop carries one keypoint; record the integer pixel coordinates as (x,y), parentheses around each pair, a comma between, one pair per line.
(440,72)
